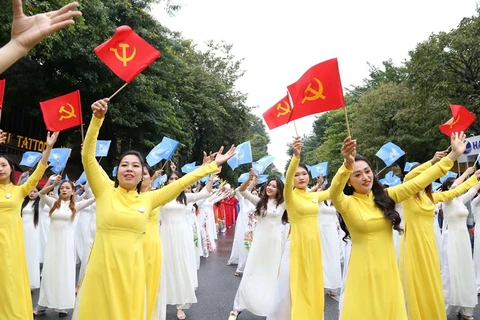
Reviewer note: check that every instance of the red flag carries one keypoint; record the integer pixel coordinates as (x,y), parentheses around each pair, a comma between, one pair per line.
(2,92)
(62,112)
(126,53)
(460,121)
(278,115)
(318,90)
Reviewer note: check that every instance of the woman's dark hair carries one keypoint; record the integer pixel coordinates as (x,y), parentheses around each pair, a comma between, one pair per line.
(142,162)
(150,171)
(428,189)
(447,184)
(36,203)
(344,228)
(380,197)
(285,217)
(12,167)
(261,209)
(182,198)
(71,206)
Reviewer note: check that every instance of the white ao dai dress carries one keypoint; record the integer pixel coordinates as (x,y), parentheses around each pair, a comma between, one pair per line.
(179,258)
(475,205)
(57,289)
(328,225)
(458,274)
(260,276)
(32,236)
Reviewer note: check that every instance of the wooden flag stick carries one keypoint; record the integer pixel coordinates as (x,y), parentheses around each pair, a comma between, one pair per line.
(295,126)
(164,164)
(346,121)
(100,160)
(121,88)
(381,171)
(83,135)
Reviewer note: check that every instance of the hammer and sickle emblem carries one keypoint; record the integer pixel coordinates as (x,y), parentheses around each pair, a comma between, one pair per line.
(283,110)
(454,122)
(67,114)
(124,57)
(316,94)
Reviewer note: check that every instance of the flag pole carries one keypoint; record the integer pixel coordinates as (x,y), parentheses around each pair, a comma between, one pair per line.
(381,170)
(81,130)
(295,126)
(121,88)
(346,121)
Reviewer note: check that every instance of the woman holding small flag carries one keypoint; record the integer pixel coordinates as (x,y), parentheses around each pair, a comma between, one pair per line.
(15,296)
(114,283)
(303,270)
(419,260)
(373,288)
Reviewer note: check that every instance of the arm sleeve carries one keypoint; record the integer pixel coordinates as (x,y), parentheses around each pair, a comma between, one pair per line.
(339,199)
(83,204)
(451,194)
(323,195)
(420,182)
(468,195)
(166,194)
(32,181)
(49,201)
(250,197)
(96,176)
(415,172)
(292,167)
(194,197)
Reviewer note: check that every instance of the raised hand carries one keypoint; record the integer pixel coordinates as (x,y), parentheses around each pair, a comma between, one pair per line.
(3,136)
(100,108)
(349,150)
(297,146)
(51,139)
(173,166)
(438,156)
(28,31)
(208,158)
(458,142)
(252,174)
(221,158)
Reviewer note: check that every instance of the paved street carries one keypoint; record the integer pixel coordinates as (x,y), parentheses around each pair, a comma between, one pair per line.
(217,287)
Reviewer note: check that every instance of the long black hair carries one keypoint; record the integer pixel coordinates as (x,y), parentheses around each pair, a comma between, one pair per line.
(36,203)
(380,197)
(261,208)
(182,198)
(142,162)
(447,184)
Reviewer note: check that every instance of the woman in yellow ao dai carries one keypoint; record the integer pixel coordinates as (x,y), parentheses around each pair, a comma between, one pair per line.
(373,289)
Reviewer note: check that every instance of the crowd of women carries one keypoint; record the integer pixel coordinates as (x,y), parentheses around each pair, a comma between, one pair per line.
(132,267)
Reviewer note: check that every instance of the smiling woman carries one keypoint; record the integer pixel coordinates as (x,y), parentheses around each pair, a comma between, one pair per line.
(373,289)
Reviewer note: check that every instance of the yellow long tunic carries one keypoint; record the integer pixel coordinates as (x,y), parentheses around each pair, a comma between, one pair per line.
(15,296)
(152,252)
(114,283)
(373,289)
(419,261)
(306,273)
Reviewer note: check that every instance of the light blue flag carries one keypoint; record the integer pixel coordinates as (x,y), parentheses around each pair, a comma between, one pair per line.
(189,167)
(159,181)
(24,179)
(163,150)
(216,184)
(57,169)
(409,165)
(82,179)
(262,178)
(261,165)
(67,178)
(320,169)
(392,180)
(243,154)
(243,177)
(449,174)
(101,150)
(114,172)
(390,153)
(59,157)
(30,158)
(205,179)
(436,185)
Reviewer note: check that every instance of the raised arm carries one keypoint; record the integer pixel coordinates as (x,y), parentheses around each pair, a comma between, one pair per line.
(49,185)
(292,167)
(451,194)
(27,31)
(464,176)
(470,194)
(80,205)
(166,194)
(49,201)
(247,183)
(419,169)
(42,165)
(96,176)
(317,185)
(339,199)
(409,188)
(197,196)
